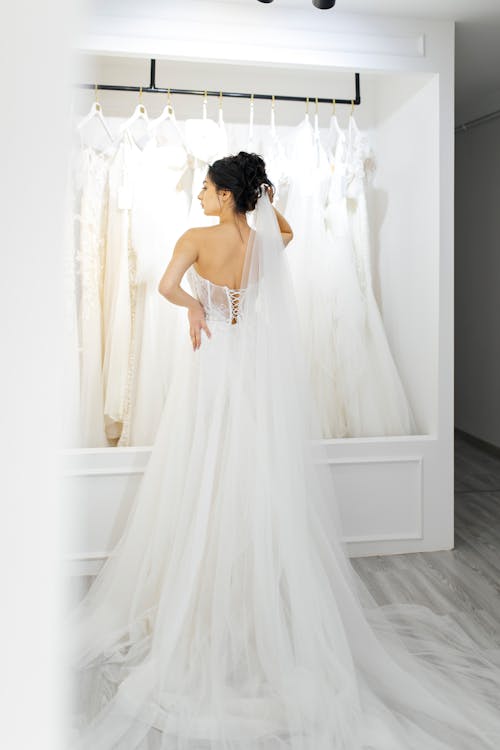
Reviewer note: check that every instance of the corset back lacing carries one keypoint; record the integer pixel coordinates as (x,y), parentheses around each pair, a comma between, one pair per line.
(234,297)
(219,301)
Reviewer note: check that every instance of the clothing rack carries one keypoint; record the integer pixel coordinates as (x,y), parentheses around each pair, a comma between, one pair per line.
(477,121)
(154,89)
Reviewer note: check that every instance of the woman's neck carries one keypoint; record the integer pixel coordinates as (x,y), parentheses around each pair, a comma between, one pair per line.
(231,217)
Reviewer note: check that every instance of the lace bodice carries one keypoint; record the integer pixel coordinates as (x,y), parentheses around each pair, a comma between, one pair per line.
(219,302)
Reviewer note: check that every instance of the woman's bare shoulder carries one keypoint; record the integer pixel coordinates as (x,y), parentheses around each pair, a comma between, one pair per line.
(202,236)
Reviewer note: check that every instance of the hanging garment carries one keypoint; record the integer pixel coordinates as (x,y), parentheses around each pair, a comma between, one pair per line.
(118,299)
(93,175)
(206,141)
(277,168)
(252,142)
(159,215)
(228,616)
(314,276)
(348,310)
(71,424)
(370,386)
(224,136)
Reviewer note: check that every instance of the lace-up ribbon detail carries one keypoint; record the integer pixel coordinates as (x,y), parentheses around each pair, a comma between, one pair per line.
(219,302)
(234,296)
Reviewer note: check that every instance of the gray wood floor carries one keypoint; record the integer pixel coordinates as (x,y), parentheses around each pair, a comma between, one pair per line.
(465,581)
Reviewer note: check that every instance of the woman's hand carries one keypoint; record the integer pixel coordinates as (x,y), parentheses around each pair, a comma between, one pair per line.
(196,316)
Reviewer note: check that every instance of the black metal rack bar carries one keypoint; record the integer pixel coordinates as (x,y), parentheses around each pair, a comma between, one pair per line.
(477,121)
(154,89)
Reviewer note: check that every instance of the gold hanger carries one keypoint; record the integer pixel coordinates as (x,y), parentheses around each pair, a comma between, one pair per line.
(352,106)
(307,105)
(141,105)
(333,104)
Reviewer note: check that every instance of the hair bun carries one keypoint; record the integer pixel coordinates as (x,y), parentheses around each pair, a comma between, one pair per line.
(244,175)
(254,170)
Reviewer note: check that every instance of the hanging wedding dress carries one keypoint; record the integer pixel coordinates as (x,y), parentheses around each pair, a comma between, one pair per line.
(252,143)
(206,140)
(159,215)
(228,616)
(348,317)
(277,168)
(118,300)
(71,424)
(369,385)
(315,276)
(93,214)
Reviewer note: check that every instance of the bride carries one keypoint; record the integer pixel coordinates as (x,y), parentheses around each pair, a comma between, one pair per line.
(228,616)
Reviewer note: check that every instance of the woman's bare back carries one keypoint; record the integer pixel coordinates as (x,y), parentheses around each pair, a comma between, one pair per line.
(221,253)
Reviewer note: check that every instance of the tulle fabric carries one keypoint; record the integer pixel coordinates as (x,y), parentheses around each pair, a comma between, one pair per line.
(229,616)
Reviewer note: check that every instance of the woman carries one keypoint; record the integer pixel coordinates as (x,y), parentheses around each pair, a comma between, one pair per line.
(217,252)
(228,616)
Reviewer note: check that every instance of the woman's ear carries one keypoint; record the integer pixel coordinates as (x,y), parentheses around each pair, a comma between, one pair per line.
(226,195)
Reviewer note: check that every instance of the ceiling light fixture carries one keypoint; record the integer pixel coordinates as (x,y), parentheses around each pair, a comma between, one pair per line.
(321,4)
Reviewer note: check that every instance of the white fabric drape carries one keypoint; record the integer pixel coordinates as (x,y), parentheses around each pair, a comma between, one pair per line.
(228,616)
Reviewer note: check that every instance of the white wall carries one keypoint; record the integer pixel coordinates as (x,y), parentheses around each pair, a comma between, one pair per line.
(477,282)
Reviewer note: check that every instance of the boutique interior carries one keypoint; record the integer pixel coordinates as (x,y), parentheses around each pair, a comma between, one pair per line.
(358,138)
(325,157)
(365,207)
(379,124)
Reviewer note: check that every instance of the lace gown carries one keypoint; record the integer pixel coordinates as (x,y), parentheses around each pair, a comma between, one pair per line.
(71,426)
(93,177)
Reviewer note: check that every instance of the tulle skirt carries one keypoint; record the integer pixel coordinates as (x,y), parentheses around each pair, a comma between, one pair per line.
(227,617)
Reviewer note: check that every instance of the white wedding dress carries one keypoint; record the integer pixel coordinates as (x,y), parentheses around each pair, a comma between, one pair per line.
(228,617)
(159,215)
(318,278)
(92,179)
(118,301)
(369,384)
(206,141)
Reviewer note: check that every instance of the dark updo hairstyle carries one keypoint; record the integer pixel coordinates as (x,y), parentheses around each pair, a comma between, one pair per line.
(244,175)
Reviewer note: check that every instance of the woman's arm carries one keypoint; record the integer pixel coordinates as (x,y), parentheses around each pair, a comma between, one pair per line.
(285,228)
(184,255)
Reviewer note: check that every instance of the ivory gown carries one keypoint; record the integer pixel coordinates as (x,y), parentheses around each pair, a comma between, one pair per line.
(228,616)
